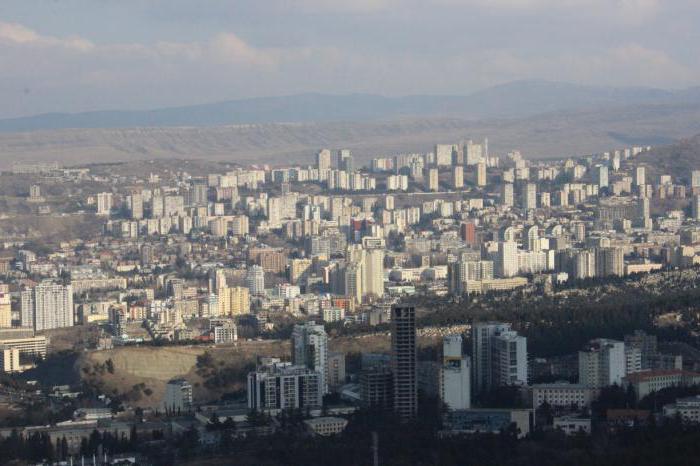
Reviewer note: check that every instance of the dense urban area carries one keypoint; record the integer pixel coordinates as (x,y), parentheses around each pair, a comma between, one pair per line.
(450,307)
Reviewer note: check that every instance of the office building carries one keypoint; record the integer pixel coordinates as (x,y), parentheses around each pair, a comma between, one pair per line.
(403,361)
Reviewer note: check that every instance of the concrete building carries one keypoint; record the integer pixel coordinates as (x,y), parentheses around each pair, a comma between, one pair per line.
(403,361)
(5,307)
(178,396)
(458,177)
(481,173)
(562,395)
(602,363)
(104,203)
(255,280)
(456,374)
(47,306)
(9,360)
(433,180)
(499,356)
(310,349)
(279,386)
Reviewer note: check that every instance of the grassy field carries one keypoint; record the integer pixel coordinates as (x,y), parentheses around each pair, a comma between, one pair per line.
(139,374)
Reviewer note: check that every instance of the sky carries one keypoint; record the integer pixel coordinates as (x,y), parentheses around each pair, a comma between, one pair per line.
(78,55)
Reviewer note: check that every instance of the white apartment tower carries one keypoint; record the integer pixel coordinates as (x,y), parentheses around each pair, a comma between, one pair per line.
(104,203)
(310,349)
(255,280)
(48,305)
(602,363)
(456,374)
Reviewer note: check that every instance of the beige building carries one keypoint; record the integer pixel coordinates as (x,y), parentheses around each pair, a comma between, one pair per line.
(5,307)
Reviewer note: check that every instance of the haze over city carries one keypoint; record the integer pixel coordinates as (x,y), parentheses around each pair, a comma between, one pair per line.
(369,232)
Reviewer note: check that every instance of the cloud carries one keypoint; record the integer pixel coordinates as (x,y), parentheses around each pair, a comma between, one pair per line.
(18,34)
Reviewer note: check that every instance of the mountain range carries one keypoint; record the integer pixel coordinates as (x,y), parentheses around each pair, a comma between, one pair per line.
(542,119)
(517,99)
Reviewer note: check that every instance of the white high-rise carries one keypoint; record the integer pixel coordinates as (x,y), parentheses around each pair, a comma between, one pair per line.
(507,258)
(602,363)
(255,280)
(104,203)
(48,305)
(499,356)
(323,159)
(310,349)
(456,374)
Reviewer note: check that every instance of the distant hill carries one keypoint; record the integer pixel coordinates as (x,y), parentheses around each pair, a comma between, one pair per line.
(518,99)
(556,134)
(677,159)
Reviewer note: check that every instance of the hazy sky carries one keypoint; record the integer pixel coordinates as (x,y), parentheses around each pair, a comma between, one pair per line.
(72,55)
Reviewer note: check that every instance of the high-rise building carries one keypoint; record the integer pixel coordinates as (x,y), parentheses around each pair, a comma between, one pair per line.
(528,196)
(609,261)
(443,154)
(240,300)
(135,204)
(483,334)
(602,363)
(640,176)
(433,179)
(695,179)
(600,176)
(255,280)
(507,259)
(48,305)
(458,177)
(282,386)
(373,272)
(695,207)
(310,349)
(403,361)
(104,203)
(481,173)
(456,374)
(5,307)
(467,231)
(345,162)
(323,159)
(473,153)
(509,359)
(178,396)
(507,195)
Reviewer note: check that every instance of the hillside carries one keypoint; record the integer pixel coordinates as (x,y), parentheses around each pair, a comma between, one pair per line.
(677,159)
